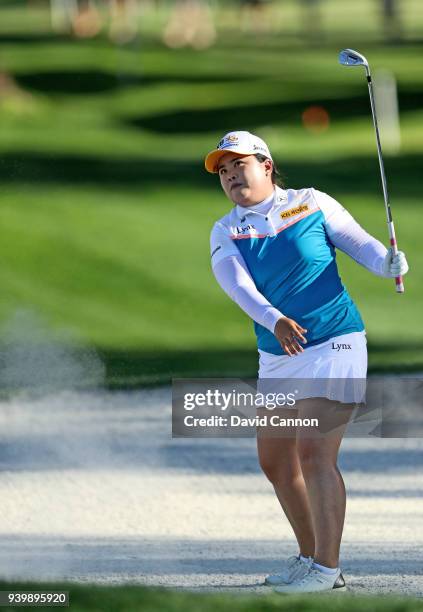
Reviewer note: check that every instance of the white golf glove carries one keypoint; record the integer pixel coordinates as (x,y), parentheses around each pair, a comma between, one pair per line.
(395,265)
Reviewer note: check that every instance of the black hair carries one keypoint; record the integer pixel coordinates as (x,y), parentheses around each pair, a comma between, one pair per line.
(277,178)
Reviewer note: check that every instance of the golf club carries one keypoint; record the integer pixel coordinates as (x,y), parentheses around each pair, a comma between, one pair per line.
(349,57)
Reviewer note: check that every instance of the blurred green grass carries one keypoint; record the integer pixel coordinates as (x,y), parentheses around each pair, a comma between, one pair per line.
(106,210)
(131,598)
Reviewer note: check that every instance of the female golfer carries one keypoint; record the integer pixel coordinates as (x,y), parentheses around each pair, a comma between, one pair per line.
(274,255)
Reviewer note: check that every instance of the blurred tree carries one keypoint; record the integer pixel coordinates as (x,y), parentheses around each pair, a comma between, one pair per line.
(87,22)
(391,20)
(124,20)
(79,17)
(256,16)
(312,20)
(62,14)
(190,24)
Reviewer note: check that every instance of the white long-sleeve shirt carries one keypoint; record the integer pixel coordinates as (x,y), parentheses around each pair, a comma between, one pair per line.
(246,230)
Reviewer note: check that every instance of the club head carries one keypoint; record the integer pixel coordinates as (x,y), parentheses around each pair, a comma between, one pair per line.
(349,57)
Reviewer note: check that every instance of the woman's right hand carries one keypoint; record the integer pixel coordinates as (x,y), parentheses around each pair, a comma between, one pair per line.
(288,332)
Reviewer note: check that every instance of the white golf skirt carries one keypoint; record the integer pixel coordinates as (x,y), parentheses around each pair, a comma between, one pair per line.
(335,369)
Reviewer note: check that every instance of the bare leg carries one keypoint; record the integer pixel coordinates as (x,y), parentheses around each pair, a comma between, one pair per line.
(279,461)
(318,454)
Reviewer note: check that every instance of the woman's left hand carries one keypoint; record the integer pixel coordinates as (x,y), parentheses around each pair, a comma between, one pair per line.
(395,265)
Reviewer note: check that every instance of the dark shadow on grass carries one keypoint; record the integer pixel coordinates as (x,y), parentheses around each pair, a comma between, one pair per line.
(33,38)
(301,41)
(101,42)
(357,174)
(29,167)
(249,117)
(74,81)
(80,82)
(132,368)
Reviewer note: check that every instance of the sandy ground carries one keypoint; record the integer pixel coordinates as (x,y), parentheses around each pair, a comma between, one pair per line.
(94,489)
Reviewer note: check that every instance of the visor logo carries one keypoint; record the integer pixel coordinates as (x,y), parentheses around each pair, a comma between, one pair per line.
(228,141)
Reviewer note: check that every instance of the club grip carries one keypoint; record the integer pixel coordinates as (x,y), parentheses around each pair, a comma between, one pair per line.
(399,285)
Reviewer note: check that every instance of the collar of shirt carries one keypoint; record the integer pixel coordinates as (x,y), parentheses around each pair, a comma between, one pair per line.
(262,208)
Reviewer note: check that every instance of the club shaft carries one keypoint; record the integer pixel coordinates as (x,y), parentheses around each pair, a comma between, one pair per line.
(379,148)
(399,285)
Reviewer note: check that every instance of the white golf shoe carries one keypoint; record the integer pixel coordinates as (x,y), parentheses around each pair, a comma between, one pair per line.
(294,569)
(314,581)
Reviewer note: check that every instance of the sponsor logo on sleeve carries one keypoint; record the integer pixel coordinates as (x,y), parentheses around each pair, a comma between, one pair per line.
(294,211)
(216,250)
